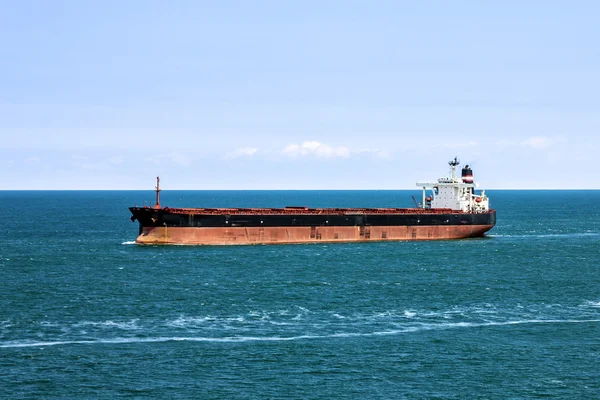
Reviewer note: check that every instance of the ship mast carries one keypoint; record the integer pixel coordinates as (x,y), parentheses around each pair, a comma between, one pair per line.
(157,205)
(453,165)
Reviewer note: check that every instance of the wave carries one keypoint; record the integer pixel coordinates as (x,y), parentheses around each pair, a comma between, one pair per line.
(125,325)
(241,339)
(594,304)
(301,317)
(126,243)
(187,321)
(545,235)
(288,323)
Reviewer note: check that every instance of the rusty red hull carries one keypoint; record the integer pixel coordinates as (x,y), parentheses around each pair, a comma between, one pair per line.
(266,235)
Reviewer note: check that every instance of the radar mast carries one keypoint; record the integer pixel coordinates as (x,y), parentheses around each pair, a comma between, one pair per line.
(453,164)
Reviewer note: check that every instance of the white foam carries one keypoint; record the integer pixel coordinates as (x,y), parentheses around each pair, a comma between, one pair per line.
(233,339)
(239,319)
(277,323)
(595,304)
(183,322)
(128,243)
(50,324)
(125,325)
(532,234)
(241,339)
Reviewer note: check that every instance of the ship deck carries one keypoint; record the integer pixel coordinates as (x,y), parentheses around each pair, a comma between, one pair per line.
(302,211)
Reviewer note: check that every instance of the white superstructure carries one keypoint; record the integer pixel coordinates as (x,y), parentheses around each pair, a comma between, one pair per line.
(453,193)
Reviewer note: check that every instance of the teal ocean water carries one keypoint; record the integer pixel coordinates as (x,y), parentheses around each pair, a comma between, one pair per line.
(84,313)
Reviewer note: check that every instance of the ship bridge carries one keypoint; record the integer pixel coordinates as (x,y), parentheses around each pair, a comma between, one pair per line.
(453,193)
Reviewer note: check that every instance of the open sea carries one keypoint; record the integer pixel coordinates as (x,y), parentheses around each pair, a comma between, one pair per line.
(85,313)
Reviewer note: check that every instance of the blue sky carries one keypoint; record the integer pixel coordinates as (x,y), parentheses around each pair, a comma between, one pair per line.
(298,95)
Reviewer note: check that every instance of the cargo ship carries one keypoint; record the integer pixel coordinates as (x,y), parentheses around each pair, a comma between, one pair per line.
(450,209)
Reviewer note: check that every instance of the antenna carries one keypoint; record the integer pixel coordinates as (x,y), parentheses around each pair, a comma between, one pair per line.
(157,205)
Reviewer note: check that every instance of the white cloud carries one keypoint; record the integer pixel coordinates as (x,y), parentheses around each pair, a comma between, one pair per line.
(33,159)
(170,158)
(459,145)
(535,142)
(538,142)
(242,152)
(117,160)
(313,148)
(96,165)
(318,149)
(93,166)
(383,154)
